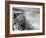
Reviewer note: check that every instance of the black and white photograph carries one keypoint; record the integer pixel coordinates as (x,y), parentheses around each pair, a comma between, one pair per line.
(25,18)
